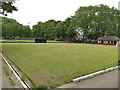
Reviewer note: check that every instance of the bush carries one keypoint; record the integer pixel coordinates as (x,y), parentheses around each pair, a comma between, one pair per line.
(89,41)
(93,41)
(59,40)
(74,41)
(80,41)
(51,38)
(12,37)
(6,37)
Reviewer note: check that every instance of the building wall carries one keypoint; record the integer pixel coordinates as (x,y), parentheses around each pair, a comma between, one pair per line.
(109,43)
(106,42)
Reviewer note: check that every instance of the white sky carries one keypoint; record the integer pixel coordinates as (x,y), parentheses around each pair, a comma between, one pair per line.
(32,11)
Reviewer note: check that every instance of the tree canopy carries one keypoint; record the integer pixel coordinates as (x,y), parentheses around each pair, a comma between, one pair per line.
(7,7)
(94,21)
(11,28)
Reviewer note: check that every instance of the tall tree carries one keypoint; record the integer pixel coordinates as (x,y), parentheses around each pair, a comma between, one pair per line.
(11,28)
(60,30)
(96,21)
(70,29)
(38,30)
(50,29)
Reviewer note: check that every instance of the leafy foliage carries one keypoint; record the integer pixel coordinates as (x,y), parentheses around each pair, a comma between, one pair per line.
(94,21)
(7,7)
(11,28)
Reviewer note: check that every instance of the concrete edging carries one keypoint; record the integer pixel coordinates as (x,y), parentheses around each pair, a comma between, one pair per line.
(25,85)
(94,74)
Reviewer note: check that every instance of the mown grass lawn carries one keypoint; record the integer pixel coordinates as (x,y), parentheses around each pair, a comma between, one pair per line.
(52,64)
(8,40)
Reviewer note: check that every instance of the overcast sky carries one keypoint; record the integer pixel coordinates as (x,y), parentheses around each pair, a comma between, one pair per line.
(32,11)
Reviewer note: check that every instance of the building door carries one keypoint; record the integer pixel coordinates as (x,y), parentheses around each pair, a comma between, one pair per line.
(111,42)
(101,41)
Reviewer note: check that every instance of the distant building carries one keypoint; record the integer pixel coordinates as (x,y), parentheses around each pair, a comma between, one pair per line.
(109,40)
(79,35)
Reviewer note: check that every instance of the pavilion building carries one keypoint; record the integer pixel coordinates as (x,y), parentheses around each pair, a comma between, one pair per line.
(109,40)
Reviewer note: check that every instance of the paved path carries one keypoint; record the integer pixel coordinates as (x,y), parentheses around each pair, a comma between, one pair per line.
(0,73)
(5,82)
(106,80)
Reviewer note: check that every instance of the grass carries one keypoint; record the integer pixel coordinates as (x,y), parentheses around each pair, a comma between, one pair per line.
(7,73)
(55,64)
(7,40)
(11,81)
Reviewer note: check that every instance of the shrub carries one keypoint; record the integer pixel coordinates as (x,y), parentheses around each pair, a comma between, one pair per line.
(80,41)
(74,41)
(93,41)
(59,40)
(51,38)
(89,41)
(6,37)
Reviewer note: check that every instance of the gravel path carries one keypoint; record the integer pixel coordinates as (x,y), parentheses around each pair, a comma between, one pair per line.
(106,80)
